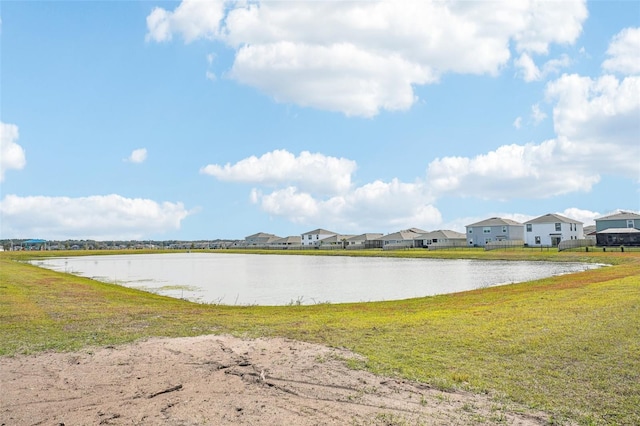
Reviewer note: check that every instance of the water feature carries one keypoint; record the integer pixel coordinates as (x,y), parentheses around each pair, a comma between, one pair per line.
(249,279)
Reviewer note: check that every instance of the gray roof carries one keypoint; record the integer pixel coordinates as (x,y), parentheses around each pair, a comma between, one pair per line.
(260,235)
(619,231)
(320,231)
(336,238)
(416,230)
(365,237)
(621,215)
(405,235)
(291,240)
(443,234)
(552,218)
(496,221)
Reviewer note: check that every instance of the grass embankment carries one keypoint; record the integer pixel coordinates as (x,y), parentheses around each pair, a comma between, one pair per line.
(568,345)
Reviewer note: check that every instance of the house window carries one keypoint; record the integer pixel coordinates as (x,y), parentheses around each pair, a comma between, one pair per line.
(629,223)
(308,237)
(504,229)
(487,240)
(486,230)
(537,240)
(528,227)
(471,230)
(558,227)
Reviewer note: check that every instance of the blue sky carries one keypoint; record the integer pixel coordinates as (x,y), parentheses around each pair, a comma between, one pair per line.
(211,119)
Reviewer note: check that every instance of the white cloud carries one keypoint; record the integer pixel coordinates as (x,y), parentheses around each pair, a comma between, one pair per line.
(378,205)
(624,52)
(537,115)
(193,19)
(531,72)
(587,217)
(513,171)
(12,155)
(597,128)
(517,123)
(314,188)
(339,77)
(138,155)
(362,57)
(309,172)
(600,119)
(100,217)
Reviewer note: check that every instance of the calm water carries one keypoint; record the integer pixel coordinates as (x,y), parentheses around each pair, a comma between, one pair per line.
(247,279)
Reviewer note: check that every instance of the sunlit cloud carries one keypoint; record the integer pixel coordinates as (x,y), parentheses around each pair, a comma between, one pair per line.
(100,217)
(12,155)
(360,58)
(308,171)
(137,156)
(624,52)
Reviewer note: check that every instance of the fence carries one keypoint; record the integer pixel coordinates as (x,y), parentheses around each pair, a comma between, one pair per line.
(572,244)
(506,244)
(448,246)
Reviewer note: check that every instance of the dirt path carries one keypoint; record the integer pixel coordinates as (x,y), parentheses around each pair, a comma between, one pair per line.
(222,380)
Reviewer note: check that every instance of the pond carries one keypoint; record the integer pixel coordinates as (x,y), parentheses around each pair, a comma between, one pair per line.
(250,279)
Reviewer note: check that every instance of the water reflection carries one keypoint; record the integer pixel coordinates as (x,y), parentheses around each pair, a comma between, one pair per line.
(247,279)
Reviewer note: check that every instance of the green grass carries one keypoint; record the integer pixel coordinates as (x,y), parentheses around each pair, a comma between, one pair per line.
(568,345)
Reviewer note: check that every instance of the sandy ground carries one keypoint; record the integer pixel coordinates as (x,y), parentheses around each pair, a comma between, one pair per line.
(222,380)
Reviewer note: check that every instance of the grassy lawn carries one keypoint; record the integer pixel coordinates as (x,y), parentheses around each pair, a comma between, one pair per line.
(568,345)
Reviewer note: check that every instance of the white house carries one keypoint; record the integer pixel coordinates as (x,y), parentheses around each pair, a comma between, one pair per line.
(313,238)
(550,229)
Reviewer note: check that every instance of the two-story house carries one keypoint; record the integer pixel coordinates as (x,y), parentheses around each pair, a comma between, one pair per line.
(313,238)
(622,228)
(548,230)
(494,229)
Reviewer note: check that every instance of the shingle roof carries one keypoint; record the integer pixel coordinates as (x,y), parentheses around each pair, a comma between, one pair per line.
(443,234)
(260,235)
(405,235)
(320,231)
(552,218)
(365,237)
(621,215)
(336,238)
(294,239)
(496,221)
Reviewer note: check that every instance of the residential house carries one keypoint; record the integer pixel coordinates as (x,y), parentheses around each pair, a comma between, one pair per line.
(620,219)
(334,241)
(441,237)
(494,229)
(589,232)
(286,242)
(260,239)
(548,230)
(401,239)
(364,241)
(313,238)
(618,229)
